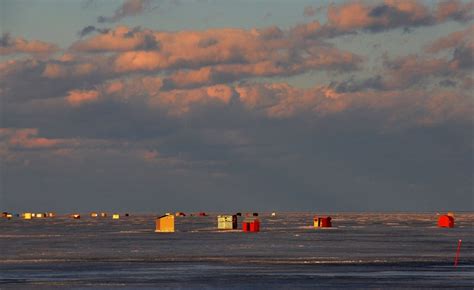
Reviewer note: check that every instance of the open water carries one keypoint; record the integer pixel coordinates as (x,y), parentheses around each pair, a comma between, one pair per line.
(361,250)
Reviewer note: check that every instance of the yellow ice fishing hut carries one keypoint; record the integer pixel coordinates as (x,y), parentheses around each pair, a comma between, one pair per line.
(115,216)
(165,224)
(226,222)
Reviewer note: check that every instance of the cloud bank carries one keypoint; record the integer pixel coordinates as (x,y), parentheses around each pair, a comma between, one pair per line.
(285,116)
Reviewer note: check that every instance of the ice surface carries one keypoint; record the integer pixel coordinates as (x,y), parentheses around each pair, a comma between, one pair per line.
(383,250)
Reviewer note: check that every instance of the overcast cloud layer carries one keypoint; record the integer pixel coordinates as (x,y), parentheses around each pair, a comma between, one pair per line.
(133,118)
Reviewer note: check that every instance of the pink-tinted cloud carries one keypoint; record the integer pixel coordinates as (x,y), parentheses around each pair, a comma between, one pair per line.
(455,9)
(413,69)
(271,48)
(453,40)
(27,138)
(318,59)
(304,31)
(79,97)
(9,45)
(403,71)
(140,61)
(20,144)
(54,70)
(280,100)
(132,87)
(354,15)
(148,89)
(179,102)
(121,38)
(349,16)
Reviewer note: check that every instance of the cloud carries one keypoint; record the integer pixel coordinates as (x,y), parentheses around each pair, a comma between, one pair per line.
(421,70)
(302,32)
(32,79)
(9,45)
(90,29)
(150,155)
(217,55)
(279,100)
(27,139)
(454,39)
(410,70)
(455,10)
(352,16)
(58,70)
(310,11)
(115,68)
(462,45)
(447,83)
(413,69)
(128,8)
(179,102)
(121,38)
(353,85)
(319,59)
(78,97)
(218,110)
(463,57)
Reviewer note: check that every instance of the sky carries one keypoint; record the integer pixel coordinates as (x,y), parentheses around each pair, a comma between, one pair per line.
(206,105)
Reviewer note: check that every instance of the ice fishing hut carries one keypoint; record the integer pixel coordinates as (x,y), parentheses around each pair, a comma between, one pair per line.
(7,215)
(322,222)
(446,221)
(115,216)
(251,224)
(164,224)
(27,215)
(202,214)
(227,222)
(103,214)
(94,214)
(180,214)
(76,216)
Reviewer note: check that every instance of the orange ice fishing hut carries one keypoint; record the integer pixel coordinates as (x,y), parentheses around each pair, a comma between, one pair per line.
(164,224)
(251,224)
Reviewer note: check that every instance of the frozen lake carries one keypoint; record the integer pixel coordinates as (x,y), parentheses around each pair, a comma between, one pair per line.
(381,250)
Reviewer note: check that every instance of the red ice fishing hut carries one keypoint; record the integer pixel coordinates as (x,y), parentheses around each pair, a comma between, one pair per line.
(251,224)
(446,221)
(322,222)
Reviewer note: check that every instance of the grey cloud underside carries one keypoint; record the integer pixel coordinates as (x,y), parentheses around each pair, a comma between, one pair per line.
(90,29)
(128,8)
(344,162)
(5,40)
(395,18)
